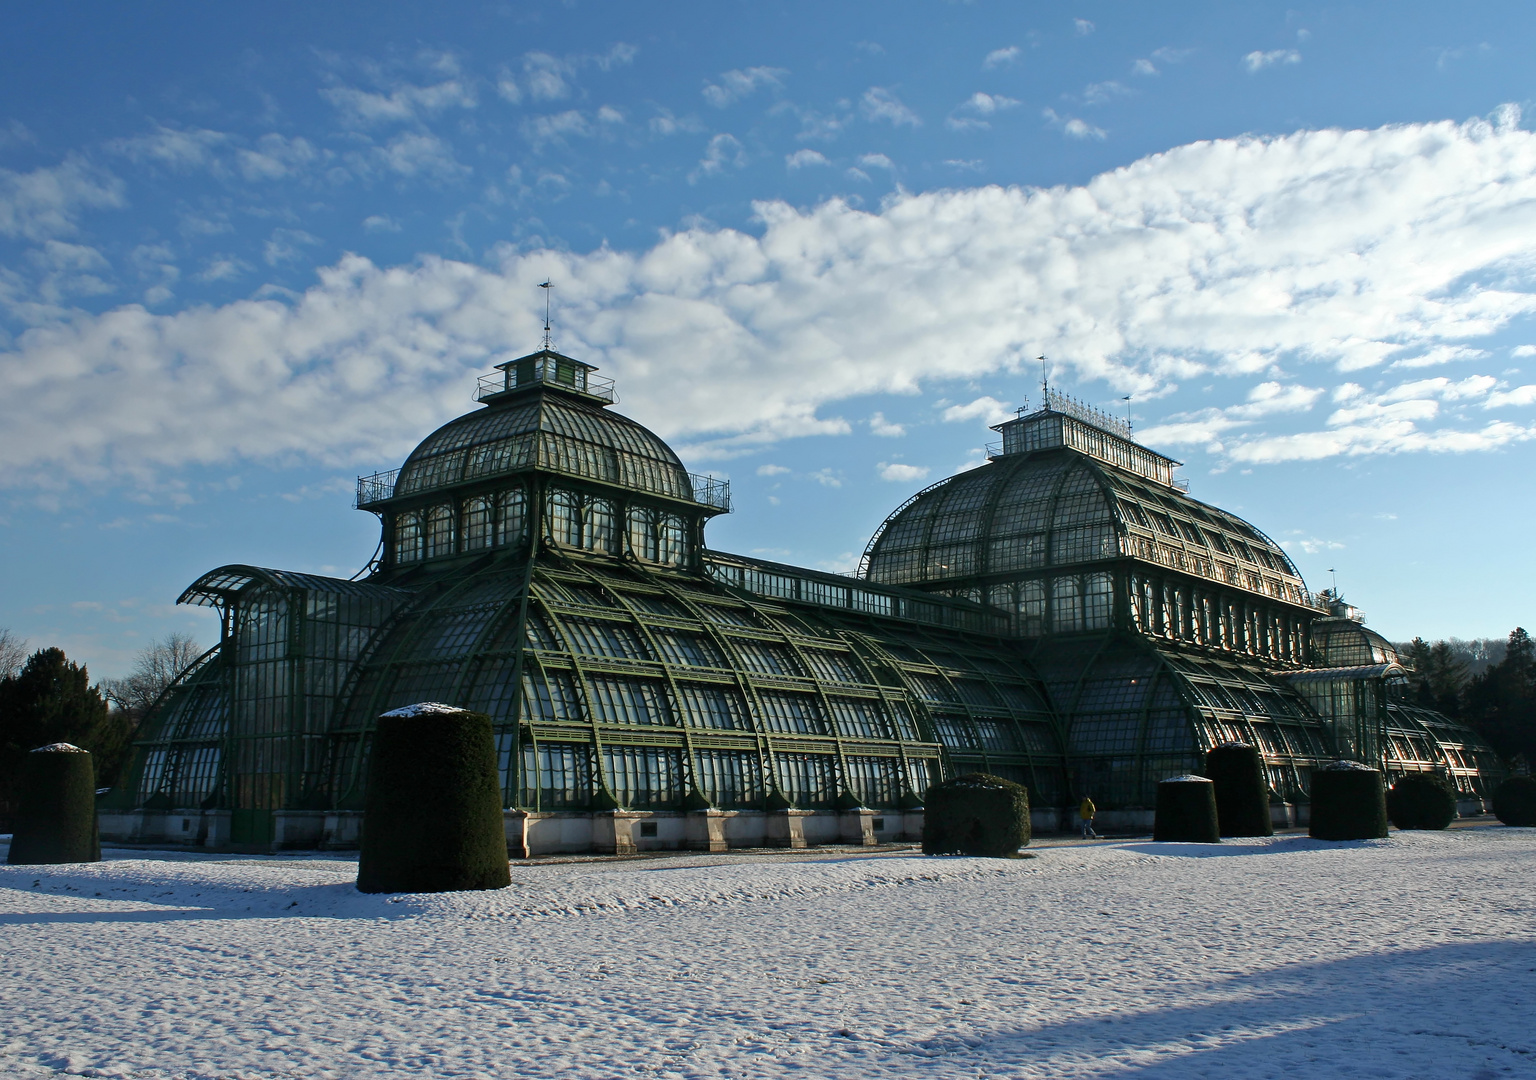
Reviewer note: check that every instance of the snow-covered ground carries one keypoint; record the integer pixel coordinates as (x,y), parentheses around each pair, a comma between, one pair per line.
(1408,957)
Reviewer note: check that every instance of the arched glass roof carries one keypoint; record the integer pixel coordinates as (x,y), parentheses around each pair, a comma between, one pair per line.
(552,431)
(1023,513)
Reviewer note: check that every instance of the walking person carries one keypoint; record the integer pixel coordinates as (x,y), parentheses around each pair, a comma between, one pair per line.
(1086,812)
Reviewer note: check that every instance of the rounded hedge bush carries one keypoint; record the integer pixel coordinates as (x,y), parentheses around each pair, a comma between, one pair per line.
(1242,790)
(1186,811)
(432,813)
(1348,802)
(976,814)
(56,808)
(1514,802)
(1421,801)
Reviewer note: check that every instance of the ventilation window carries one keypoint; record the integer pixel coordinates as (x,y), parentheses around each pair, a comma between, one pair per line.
(647,829)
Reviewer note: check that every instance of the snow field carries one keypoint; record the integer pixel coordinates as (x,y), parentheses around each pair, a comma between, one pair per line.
(1409,957)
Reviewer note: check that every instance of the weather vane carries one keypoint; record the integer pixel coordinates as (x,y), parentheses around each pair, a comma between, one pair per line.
(547,285)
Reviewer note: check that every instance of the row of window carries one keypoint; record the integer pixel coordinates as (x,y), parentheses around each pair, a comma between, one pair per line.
(572,518)
(1163,608)
(564,776)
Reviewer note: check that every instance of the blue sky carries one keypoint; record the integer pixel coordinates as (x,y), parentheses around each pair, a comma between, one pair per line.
(248,252)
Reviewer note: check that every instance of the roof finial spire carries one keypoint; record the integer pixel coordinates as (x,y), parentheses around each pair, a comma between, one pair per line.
(1127,400)
(547,285)
(1045,382)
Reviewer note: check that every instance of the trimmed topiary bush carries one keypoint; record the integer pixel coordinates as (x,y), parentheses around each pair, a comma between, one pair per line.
(56,808)
(432,814)
(1186,811)
(1514,802)
(976,814)
(1242,790)
(1348,802)
(1421,801)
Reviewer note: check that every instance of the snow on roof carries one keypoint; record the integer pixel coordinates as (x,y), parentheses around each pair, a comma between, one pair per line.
(1187,778)
(60,748)
(424,708)
(1346,766)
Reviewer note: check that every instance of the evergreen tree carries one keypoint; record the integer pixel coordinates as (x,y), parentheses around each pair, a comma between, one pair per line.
(1501,703)
(52,700)
(1440,676)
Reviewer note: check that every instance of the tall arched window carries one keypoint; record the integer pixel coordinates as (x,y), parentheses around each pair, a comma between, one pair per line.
(597,530)
(642,534)
(407,538)
(564,514)
(1066,605)
(672,538)
(439,531)
(1098,602)
(476,523)
(511,516)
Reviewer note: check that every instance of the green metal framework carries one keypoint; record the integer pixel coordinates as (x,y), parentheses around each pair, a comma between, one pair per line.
(1065,616)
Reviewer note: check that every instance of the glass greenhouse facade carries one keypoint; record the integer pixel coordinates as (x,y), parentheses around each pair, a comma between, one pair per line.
(1065,616)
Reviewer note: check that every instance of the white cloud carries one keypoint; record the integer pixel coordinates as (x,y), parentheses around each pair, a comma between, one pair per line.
(724,151)
(732,86)
(1083,27)
(1100,93)
(771,470)
(1523,350)
(1072,127)
(47,201)
(419,154)
(276,157)
(380,223)
(545,76)
(987,409)
(402,104)
(802,158)
(896,471)
(1169,55)
(880,161)
(1257,61)
(1143,67)
(879,425)
(1440,354)
(964,116)
(172,148)
(1318,252)
(999,57)
(285,245)
(539,130)
(879,103)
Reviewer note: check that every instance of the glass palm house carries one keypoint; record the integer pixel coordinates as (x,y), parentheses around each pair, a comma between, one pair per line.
(1065,616)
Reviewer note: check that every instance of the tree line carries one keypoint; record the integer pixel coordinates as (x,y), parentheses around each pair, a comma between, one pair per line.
(46,698)
(1491,690)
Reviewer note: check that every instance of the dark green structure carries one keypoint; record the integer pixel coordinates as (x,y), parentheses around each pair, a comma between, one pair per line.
(432,821)
(1065,617)
(56,808)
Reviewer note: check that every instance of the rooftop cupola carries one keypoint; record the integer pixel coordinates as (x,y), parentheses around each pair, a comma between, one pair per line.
(1066,422)
(544,370)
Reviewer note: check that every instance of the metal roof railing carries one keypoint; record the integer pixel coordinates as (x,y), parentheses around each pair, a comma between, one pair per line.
(375,489)
(711,491)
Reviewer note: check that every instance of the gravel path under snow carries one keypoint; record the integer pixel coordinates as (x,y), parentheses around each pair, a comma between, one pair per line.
(1407,957)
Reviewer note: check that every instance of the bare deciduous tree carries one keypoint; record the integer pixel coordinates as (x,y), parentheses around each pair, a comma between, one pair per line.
(13,653)
(155,668)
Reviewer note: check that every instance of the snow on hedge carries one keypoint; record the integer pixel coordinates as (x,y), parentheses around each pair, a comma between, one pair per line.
(1283,956)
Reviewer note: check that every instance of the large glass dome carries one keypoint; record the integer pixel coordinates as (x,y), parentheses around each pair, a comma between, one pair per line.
(557,432)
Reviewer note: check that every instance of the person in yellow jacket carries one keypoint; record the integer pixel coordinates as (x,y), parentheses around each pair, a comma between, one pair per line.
(1086,812)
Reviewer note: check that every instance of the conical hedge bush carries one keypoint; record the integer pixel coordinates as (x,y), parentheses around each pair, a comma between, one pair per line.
(1348,802)
(1242,789)
(432,814)
(56,808)
(1186,811)
(975,814)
